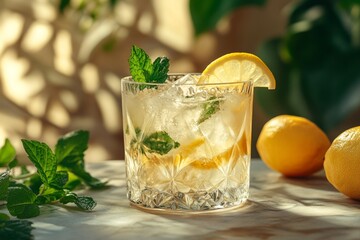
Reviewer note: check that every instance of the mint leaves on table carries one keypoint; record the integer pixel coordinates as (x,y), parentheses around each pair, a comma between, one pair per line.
(15,229)
(69,152)
(142,70)
(21,201)
(58,173)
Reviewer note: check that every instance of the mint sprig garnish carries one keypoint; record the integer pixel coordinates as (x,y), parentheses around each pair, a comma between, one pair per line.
(142,70)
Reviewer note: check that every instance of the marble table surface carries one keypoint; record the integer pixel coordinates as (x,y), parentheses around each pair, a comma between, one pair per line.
(278,208)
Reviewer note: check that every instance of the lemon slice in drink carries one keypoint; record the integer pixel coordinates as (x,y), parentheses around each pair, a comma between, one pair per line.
(188,153)
(238,67)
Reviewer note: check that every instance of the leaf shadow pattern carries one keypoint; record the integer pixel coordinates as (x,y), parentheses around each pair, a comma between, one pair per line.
(55,77)
(280,208)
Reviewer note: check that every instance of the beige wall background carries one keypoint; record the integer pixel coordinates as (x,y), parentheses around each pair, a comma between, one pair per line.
(60,73)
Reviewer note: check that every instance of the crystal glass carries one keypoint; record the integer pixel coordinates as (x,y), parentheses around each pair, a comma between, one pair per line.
(187,145)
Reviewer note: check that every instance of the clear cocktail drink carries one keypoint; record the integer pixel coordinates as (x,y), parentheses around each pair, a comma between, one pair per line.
(187,145)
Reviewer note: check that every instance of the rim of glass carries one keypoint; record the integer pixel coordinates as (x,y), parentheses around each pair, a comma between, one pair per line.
(129,80)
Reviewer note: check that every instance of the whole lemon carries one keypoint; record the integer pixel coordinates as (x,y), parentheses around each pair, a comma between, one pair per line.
(292,145)
(342,163)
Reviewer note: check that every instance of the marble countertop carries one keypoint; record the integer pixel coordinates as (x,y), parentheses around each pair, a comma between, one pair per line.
(278,208)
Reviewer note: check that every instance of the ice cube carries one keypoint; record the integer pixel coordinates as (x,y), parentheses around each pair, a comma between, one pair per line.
(186,79)
(183,87)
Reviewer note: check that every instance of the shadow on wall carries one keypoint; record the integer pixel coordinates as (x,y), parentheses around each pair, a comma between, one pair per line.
(60,73)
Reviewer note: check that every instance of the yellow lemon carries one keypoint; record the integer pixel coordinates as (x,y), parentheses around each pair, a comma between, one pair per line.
(239,67)
(292,145)
(342,163)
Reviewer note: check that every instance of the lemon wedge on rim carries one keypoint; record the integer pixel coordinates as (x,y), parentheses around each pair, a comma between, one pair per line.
(238,67)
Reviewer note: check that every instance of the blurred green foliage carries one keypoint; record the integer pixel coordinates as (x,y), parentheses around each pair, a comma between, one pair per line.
(316,62)
(89,11)
(206,14)
(82,4)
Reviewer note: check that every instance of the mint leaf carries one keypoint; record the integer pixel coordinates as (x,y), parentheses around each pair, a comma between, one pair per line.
(209,108)
(79,170)
(83,202)
(21,202)
(59,180)
(43,158)
(34,183)
(24,170)
(140,64)
(69,152)
(160,70)
(73,181)
(71,147)
(3,217)
(16,230)
(142,70)
(56,172)
(48,195)
(4,184)
(7,153)
(159,142)
(13,163)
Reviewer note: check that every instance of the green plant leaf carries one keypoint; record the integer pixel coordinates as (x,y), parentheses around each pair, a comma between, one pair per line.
(16,230)
(73,181)
(209,108)
(13,163)
(332,90)
(60,179)
(160,70)
(49,194)
(83,202)
(70,151)
(206,14)
(7,153)
(315,31)
(140,64)
(159,142)
(142,70)
(79,170)
(43,158)
(21,202)
(112,3)
(63,4)
(71,148)
(34,183)
(315,65)
(3,217)
(288,97)
(4,184)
